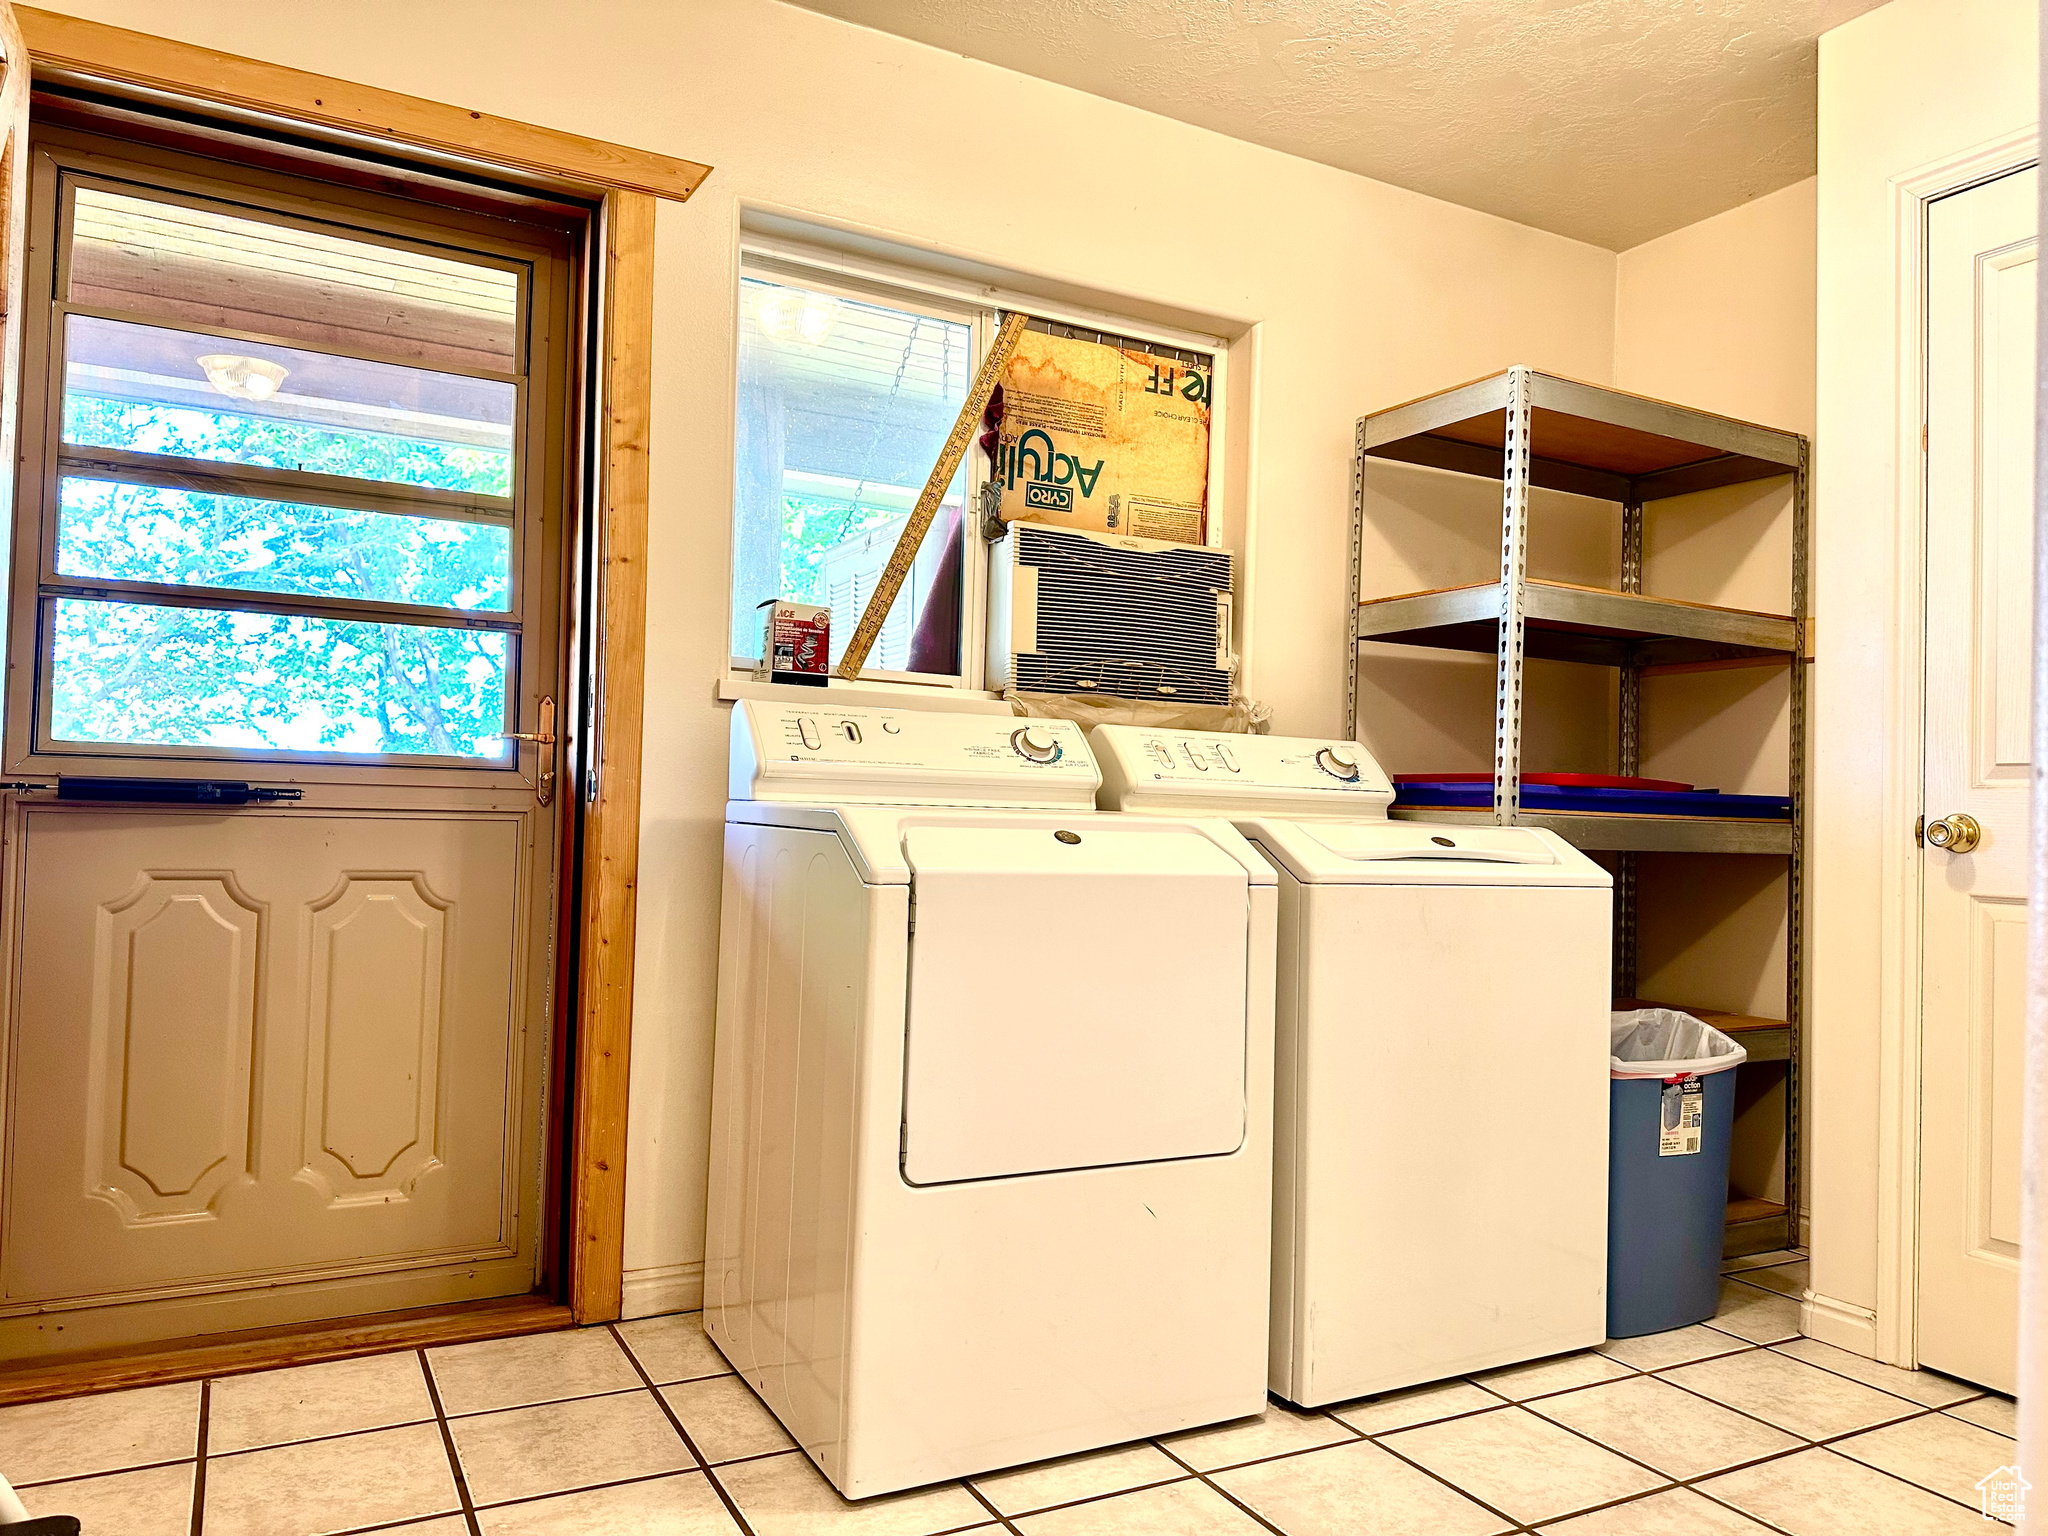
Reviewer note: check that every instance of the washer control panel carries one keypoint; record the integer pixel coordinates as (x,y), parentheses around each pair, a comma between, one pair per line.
(819,754)
(1223,774)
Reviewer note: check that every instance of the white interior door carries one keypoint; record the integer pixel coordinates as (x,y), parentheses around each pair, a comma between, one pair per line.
(1980,498)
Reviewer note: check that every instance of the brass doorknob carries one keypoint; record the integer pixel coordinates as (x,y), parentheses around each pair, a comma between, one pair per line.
(1957,833)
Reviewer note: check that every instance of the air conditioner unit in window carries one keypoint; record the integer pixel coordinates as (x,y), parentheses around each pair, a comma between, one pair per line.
(1078,612)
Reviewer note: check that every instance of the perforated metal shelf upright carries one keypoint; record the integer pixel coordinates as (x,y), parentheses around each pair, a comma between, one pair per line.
(1531,430)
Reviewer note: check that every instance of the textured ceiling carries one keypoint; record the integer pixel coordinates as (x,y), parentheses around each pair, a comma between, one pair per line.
(1612,121)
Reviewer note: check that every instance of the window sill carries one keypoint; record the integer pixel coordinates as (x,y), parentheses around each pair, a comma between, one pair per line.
(958,701)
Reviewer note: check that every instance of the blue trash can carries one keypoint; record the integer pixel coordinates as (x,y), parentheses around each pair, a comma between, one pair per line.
(1672,1112)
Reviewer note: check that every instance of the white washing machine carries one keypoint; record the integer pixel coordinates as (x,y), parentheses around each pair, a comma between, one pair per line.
(1440,1157)
(991,1161)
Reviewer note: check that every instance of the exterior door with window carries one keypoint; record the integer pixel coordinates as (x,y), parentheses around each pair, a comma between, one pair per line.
(289,512)
(1980,538)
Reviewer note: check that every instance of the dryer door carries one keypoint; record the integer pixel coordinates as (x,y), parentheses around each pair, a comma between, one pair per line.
(1077,998)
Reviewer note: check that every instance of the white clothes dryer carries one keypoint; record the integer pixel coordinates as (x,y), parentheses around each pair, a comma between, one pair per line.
(991,1108)
(1440,1157)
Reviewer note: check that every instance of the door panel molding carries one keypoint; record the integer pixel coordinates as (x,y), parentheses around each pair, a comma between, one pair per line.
(375,949)
(1998,963)
(2002,712)
(173,1040)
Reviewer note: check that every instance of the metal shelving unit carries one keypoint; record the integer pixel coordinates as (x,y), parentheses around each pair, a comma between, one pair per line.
(1528,430)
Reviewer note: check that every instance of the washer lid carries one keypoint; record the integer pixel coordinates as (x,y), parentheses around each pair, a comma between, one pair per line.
(1417,853)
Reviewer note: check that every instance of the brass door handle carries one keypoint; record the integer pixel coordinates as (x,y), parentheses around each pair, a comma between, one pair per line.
(545,735)
(544,788)
(1957,833)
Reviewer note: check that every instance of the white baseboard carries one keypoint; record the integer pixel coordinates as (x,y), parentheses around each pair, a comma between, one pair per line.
(665,1288)
(1839,1323)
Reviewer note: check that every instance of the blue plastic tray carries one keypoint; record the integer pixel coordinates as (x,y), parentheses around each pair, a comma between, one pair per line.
(1621,802)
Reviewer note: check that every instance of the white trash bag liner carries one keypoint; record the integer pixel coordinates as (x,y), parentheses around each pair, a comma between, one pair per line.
(1662,1042)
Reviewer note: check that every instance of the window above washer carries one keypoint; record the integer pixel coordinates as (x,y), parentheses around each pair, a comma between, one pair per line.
(850,377)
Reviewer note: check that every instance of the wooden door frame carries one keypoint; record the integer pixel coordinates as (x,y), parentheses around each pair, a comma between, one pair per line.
(626,184)
(596,1193)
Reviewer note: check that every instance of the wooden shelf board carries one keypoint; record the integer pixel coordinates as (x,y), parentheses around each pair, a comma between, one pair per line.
(1618,832)
(1576,586)
(1584,438)
(1581,441)
(1765,1039)
(1726,664)
(1756,1226)
(1743,1208)
(1564,621)
(1727,1023)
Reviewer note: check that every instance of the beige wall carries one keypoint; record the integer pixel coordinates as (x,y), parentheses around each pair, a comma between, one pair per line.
(1903,87)
(1350,294)
(1721,315)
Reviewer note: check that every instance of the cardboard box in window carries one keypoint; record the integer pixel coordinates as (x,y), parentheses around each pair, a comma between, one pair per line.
(1105,438)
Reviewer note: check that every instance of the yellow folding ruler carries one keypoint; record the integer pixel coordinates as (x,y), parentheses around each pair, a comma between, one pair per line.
(891,580)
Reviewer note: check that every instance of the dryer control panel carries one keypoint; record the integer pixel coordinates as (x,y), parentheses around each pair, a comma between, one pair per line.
(821,755)
(1222,774)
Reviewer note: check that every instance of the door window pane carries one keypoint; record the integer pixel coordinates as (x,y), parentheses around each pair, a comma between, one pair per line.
(843,408)
(143,673)
(120,531)
(236,274)
(192,396)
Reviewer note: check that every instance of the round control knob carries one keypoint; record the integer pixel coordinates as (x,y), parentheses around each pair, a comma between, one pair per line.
(1039,746)
(1337,765)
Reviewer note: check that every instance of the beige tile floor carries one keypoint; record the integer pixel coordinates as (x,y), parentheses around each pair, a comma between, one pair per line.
(1733,1428)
